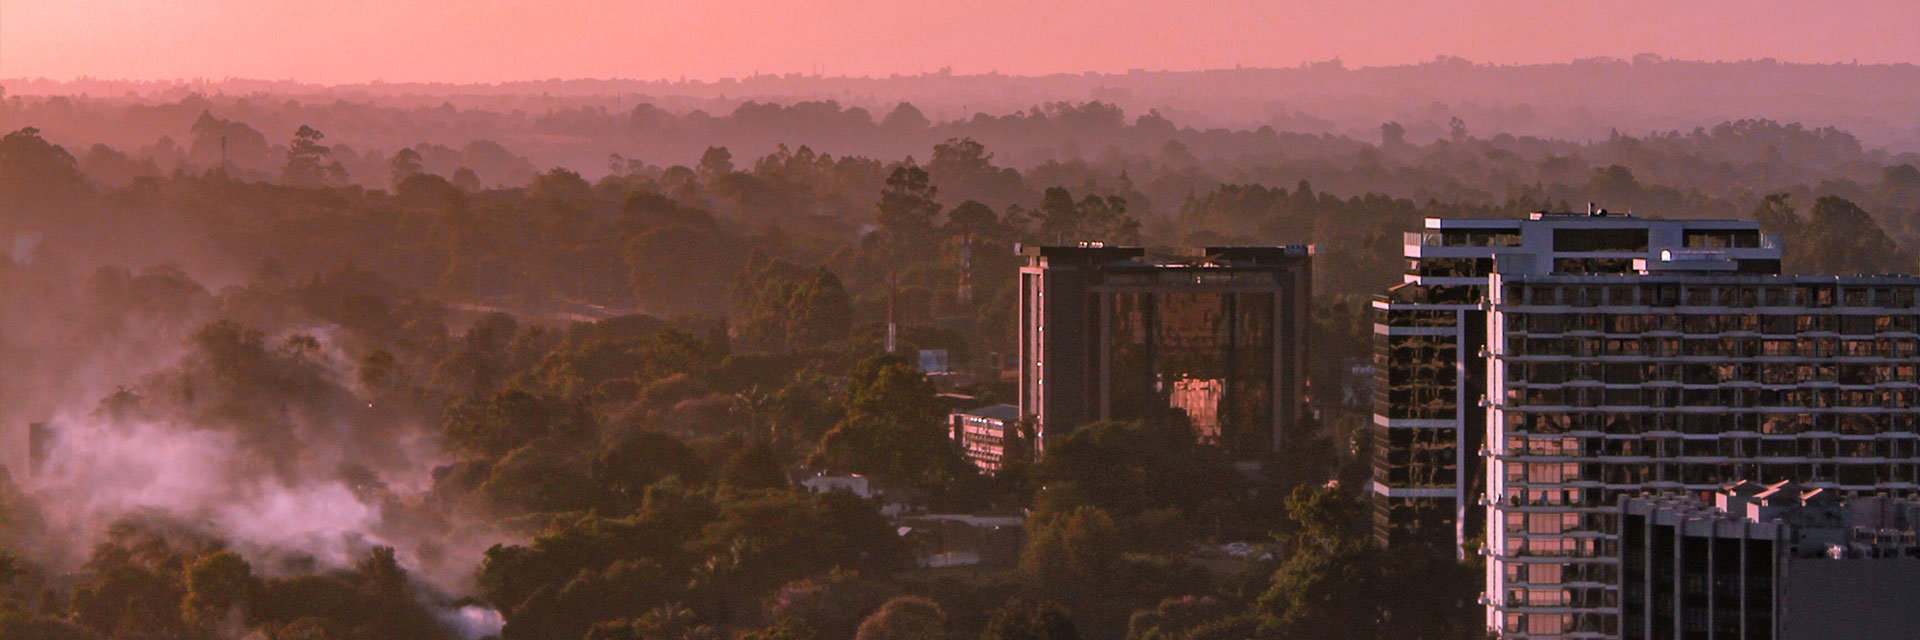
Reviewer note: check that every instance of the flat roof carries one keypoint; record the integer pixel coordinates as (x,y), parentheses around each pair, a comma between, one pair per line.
(1715,277)
(1002,412)
(1581,219)
(1209,256)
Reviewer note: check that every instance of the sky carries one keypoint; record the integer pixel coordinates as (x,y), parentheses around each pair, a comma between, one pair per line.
(342,41)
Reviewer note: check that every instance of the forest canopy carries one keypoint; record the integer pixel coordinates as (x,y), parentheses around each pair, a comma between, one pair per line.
(400,373)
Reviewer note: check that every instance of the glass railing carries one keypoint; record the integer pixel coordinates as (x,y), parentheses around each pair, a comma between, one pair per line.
(1461,238)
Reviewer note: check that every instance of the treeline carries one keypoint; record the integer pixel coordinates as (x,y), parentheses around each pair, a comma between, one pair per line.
(640,469)
(1579,100)
(1720,169)
(579,402)
(1179,183)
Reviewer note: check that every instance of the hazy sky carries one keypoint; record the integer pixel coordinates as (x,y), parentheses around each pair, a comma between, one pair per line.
(489,40)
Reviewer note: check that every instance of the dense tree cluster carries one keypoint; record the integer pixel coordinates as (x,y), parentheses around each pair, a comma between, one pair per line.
(578,400)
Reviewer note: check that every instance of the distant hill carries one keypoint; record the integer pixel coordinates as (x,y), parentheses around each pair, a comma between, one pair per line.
(1578,100)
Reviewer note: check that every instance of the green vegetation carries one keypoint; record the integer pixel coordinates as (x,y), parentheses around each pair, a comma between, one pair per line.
(576,401)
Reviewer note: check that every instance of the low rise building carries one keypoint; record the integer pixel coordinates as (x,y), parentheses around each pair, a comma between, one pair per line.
(1775,562)
(984,434)
(853,483)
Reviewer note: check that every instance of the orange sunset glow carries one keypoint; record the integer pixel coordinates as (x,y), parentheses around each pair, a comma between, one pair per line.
(495,40)
(959,320)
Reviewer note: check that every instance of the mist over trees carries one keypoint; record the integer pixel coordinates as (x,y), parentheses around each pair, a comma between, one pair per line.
(544,367)
(1579,100)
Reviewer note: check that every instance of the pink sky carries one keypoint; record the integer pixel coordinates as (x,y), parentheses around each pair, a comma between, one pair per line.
(490,40)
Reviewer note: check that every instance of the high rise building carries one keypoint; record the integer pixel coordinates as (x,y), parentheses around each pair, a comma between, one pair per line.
(1213,339)
(1778,562)
(1429,332)
(1682,376)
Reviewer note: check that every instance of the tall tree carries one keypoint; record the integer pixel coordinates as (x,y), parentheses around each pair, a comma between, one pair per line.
(309,163)
(893,428)
(715,163)
(963,169)
(1836,237)
(907,209)
(34,172)
(1096,219)
(406,164)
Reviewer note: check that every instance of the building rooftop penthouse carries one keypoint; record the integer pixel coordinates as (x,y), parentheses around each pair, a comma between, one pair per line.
(1118,257)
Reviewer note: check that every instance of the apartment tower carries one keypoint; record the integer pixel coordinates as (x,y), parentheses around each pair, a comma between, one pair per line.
(1430,330)
(1684,375)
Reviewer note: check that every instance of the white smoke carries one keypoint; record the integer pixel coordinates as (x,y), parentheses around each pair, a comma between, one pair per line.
(314,479)
(97,471)
(473,622)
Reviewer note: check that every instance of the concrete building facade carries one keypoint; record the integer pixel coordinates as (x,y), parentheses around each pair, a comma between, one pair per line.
(1684,376)
(1430,330)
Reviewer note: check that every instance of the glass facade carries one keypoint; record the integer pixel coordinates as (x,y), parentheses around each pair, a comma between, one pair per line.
(1430,372)
(1213,341)
(1200,359)
(1610,387)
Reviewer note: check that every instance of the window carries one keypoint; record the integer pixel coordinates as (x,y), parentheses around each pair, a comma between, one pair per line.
(1579,266)
(1480,238)
(1455,267)
(1854,297)
(1664,295)
(1719,239)
(1545,598)
(1779,297)
(1591,240)
(1856,325)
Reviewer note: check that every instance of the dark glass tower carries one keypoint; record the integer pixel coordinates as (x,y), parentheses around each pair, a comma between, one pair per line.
(1213,339)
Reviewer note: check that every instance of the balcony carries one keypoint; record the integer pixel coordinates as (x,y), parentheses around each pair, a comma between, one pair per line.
(1508,237)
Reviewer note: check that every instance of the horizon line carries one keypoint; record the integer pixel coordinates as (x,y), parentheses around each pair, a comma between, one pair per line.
(1334,63)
